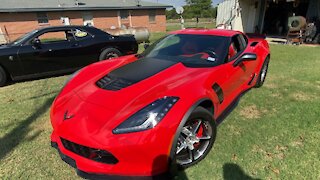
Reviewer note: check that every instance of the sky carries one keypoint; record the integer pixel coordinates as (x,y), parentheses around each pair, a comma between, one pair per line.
(177,3)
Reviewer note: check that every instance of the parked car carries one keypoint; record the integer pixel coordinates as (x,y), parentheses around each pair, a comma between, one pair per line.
(147,114)
(57,50)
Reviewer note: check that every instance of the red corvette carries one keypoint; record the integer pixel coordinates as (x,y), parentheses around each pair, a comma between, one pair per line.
(143,115)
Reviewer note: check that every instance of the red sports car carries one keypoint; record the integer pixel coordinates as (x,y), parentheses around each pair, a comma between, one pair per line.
(143,115)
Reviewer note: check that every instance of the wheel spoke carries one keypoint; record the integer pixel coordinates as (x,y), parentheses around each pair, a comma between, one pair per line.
(191,155)
(205,138)
(196,129)
(186,131)
(180,149)
(182,144)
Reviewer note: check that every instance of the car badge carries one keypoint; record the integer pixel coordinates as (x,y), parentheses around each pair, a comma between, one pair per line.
(67,116)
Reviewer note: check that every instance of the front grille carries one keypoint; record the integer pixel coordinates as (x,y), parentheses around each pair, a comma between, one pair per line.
(113,84)
(89,153)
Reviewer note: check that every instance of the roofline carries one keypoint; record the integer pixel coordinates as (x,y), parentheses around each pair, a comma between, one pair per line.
(82,8)
(65,26)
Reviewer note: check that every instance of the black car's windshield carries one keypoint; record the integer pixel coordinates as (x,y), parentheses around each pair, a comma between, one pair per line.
(189,49)
(23,38)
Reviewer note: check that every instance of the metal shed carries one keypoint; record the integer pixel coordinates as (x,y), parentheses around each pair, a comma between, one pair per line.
(264,16)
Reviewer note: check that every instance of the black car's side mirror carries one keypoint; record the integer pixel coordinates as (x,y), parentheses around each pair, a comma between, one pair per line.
(245,57)
(36,42)
(146,46)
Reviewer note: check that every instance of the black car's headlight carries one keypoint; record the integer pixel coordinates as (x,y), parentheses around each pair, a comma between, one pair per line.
(148,117)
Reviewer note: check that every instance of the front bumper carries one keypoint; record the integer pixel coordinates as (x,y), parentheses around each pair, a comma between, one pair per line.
(139,154)
(72,163)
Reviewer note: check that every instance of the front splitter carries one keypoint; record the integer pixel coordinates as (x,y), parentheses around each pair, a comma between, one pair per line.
(92,176)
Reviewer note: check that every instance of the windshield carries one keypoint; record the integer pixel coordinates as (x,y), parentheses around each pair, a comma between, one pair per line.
(189,49)
(23,38)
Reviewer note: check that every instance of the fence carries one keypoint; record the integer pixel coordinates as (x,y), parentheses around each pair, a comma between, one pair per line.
(3,37)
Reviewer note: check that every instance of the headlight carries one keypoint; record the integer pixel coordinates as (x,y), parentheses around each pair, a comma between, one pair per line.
(147,117)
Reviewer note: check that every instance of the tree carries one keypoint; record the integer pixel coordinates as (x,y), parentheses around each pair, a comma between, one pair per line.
(171,14)
(193,9)
(201,8)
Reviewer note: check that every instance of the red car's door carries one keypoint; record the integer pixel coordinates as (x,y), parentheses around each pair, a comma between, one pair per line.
(233,79)
(243,73)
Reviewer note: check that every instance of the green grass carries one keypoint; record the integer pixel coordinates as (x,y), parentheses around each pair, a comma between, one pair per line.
(272,134)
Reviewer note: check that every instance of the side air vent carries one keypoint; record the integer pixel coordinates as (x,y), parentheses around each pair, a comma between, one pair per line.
(217,89)
(112,83)
(253,44)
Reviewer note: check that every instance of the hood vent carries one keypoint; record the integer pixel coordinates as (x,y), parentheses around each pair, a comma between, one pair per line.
(112,83)
(133,72)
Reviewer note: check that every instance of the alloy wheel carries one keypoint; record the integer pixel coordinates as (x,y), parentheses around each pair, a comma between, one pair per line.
(264,73)
(193,141)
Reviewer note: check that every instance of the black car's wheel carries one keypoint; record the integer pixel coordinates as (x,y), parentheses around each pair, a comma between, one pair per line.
(3,77)
(263,73)
(109,53)
(196,138)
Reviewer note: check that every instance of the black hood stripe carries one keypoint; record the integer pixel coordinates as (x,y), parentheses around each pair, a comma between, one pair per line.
(132,73)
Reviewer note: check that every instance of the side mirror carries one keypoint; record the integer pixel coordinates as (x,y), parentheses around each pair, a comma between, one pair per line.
(146,46)
(245,57)
(36,42)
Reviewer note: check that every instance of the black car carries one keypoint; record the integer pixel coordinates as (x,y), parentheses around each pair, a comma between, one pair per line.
(58,50)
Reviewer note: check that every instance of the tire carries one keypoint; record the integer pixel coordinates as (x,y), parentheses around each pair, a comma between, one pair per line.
(263,73)
(191,149)
(109,53)
(3,77)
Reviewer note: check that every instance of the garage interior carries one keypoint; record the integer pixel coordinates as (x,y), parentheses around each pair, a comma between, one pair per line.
(297,21)
(278,13)
(286,21)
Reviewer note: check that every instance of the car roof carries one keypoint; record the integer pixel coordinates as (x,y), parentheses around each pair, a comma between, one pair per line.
(89,29)
(213,32)
(62,27)
(67,26)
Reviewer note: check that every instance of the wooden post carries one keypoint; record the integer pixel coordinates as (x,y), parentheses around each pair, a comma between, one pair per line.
(6,34)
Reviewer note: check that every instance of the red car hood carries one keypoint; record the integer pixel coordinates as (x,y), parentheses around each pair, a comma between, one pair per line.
(132,98)
(96,109)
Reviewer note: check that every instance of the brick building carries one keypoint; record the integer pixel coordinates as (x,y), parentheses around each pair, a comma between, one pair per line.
(19,17)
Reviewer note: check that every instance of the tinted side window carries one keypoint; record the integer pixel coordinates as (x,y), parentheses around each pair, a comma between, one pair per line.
(52,37)
(235,48)
(243,40)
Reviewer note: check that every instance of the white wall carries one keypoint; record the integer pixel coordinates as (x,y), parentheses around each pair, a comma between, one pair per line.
(225,11)
(243,13)
(249,15)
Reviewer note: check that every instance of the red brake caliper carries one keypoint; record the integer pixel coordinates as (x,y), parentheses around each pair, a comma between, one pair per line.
(199,134)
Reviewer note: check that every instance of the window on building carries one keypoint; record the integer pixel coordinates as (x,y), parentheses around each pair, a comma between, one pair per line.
(152,16)
(124,14)
(42,18)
